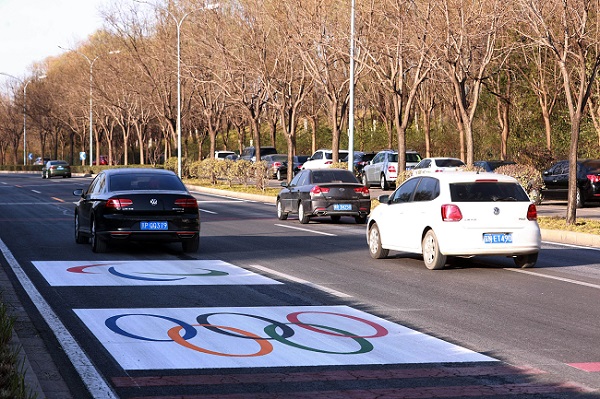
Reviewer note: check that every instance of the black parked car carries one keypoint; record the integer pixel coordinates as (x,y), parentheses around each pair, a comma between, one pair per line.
(490,166)
(556,181)
(298,162)
(137,205)
(324,192)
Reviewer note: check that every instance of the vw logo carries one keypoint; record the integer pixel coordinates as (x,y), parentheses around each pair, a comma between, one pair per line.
(496,210)
(153,201)
(342,189)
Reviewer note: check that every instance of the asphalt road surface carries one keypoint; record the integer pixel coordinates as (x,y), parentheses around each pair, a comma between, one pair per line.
(271,308)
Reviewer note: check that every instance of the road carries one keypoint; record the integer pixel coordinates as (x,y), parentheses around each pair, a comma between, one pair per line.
(271,308)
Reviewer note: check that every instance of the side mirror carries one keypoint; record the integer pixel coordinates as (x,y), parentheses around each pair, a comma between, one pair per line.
(546,173)
(383,199)
(78,192)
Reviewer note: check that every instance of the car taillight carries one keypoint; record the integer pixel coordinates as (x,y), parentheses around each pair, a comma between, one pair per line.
(594,178)
(316,190)
(186,203)
(391,169)
(276,164)
(451,213)
(118,203)
(362,190)
(532,212)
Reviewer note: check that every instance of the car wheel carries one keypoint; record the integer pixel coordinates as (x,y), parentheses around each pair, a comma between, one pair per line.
(375,248)
(365,182)
(579,201)
(433,258)
(79,238)
(526,261)
(383,183)
(360,219)
(335,218)
(281,215)
(98,244)
(43,176)
(302,216)
(191,245)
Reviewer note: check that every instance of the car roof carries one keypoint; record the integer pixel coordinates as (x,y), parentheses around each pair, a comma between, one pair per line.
(467,177)
(125,171)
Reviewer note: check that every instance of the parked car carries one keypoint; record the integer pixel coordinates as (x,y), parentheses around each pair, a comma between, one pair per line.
(298,162)
(136,205)
(383,169)
(490,166)
(41,161)
(324,192)
(274,163)
(360,160)
(556,181)
(220,155)
(456,214)
(323,159)
(249,153)
(54,168)
(437,164)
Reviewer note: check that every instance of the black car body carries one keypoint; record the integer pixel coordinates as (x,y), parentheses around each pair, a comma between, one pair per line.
(324,192)
(298,162)
(556,181)
(360,160)
(55,168)
(137,205)
(490,166)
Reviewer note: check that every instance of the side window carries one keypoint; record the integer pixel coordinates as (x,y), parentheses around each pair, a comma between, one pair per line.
(304,178)
(297,178)
(404,192)
(317,155)
(423,164)
(427,190)
(96,185)
(378,158)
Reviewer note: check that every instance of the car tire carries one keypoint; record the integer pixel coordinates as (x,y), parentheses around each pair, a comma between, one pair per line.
(383,183)
(526,261)
(360,219)
(79,238)
(365,182)
(579,201)
(433,258)
(281,215)
(336,218)
(191,245)
(98,244)
(375,249)
(302,216)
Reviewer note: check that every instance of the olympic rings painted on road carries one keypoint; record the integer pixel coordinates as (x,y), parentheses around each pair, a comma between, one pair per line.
(112,270)
(275,330)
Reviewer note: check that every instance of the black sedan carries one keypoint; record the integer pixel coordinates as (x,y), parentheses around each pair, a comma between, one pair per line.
(136,205)
(324,192)
(556,181)
(298,162)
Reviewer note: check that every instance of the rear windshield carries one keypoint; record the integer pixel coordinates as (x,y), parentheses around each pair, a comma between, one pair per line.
(487,191)
(333,176)
(127,182)
(449,163)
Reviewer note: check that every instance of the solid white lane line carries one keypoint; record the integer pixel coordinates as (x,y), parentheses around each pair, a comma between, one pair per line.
(211,212)
(307,230)
(570,245)
(563,279)
(36,191)
(90,376)
(301,281)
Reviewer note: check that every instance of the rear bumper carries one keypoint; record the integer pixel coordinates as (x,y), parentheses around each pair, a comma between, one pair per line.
(322,207)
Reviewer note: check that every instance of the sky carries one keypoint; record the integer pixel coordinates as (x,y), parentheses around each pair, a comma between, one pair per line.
(31,30)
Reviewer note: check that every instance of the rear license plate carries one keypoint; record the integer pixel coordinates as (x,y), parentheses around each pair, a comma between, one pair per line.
(497,238)
(154,226)
(342,207)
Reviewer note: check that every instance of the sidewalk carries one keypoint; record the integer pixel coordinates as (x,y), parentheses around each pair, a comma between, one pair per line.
(42,375)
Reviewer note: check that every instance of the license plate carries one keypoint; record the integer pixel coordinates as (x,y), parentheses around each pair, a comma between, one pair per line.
(497,238)
(154,226)
(342,207)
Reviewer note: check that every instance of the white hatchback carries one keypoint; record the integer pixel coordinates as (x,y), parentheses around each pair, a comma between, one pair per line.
(456,214)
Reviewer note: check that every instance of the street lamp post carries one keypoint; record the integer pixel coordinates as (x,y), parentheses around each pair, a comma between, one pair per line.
(91,62)
(25,84)
(351,94)
(178,23)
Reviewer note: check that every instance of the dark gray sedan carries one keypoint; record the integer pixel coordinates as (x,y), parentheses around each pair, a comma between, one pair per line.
(324,192)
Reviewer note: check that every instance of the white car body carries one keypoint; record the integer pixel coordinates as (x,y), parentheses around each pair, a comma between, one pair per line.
(322,159)
(221,155)
(383,168)
(484,227)
(437,164)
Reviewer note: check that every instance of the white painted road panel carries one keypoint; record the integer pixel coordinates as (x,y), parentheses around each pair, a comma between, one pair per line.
(248,337)
(144,273)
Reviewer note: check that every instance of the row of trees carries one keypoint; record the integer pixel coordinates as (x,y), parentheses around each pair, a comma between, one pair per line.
(468,78)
